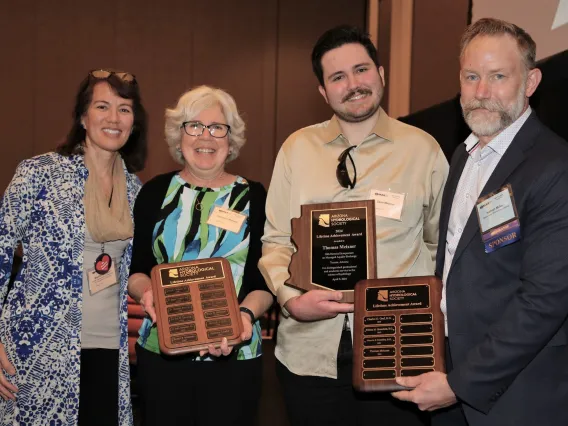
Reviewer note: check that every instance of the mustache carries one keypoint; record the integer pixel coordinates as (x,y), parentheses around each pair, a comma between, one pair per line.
(489,105)
(357,91)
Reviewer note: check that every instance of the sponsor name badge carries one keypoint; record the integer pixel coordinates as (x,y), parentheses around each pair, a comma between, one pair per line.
(498,219)
(227,219)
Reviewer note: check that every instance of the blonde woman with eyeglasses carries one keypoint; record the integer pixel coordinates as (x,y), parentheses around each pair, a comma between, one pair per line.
(172,223)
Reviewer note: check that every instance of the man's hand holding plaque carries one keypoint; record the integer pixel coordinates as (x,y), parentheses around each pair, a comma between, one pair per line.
(430,391)
(317,305)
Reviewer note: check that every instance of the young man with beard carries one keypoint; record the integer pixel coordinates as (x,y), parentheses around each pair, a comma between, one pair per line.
(314,346)
(502,249)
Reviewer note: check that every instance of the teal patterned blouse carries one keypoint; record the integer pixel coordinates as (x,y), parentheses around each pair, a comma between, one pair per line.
(181,233)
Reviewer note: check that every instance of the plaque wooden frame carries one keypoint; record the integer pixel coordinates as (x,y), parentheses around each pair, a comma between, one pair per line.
(196,305)
(381,334)
(301,263)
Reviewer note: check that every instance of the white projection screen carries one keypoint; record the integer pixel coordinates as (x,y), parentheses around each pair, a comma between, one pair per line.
(545,20)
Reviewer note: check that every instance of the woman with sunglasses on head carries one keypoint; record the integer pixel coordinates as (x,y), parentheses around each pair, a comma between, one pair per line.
(63,327)
(172,224)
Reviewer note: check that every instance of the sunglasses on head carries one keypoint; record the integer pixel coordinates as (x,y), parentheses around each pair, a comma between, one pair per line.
(104,74)
(341,172)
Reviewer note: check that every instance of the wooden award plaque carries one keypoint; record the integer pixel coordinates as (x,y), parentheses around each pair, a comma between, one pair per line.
(196,305)
(335,247)
(398,331)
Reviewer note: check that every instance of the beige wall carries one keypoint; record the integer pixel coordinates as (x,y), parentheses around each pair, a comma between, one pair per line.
(534,16)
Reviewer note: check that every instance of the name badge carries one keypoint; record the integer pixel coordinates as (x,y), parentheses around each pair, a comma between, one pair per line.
(498,219)
(98,282)
(388,204)
(227,219)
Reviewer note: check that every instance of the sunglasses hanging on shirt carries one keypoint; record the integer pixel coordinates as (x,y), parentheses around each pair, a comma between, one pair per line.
(342,173)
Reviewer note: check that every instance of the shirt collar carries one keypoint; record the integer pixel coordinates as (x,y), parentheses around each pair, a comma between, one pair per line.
(382,128)
(501,142)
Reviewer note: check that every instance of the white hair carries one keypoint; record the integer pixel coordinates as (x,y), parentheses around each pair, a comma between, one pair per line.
(190,105)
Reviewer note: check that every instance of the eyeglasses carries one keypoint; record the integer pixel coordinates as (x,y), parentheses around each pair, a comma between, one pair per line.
(342,174)
(196,128)
(103,74)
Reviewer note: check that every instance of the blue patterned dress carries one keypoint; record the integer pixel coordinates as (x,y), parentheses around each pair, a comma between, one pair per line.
(40,322)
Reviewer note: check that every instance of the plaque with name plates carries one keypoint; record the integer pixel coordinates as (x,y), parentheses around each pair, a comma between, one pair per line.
(335,247)
(398,331)
(196,305)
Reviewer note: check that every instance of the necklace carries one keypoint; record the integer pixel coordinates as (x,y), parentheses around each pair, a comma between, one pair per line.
(198,206)
(103,262)
(214,178)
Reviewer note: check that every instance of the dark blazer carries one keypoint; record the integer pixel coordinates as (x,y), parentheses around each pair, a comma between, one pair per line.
(507,310)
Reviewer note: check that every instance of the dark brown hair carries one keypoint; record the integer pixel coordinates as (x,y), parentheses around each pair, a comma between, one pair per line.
(135,150)
(337,37)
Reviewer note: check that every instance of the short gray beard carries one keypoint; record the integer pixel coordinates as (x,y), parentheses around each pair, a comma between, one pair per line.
(493,127)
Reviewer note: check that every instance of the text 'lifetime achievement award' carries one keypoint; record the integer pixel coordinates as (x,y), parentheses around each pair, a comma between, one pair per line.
(196,305)
(399,331)
(335,247)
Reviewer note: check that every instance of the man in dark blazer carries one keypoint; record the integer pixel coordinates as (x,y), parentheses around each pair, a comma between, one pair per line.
(503,250)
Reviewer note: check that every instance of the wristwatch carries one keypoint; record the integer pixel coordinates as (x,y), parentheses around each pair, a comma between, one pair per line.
(249,312)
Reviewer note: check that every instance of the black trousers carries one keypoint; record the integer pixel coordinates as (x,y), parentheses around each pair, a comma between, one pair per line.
(98,389)
(175,390)
(322,401)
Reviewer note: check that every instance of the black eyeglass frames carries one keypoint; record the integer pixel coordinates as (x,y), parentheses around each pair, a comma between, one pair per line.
(196,128)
